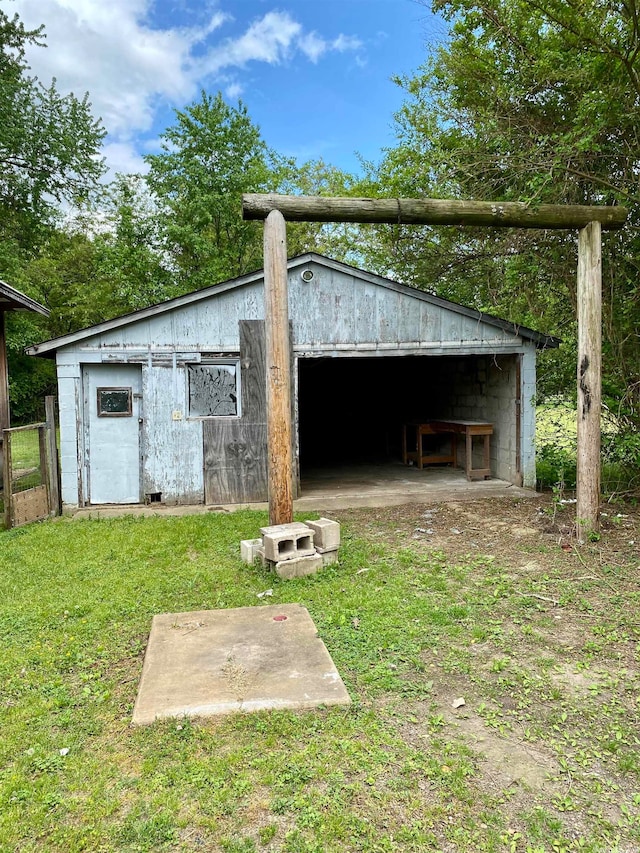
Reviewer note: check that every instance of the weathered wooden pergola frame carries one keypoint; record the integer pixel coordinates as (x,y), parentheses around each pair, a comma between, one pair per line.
(275,210)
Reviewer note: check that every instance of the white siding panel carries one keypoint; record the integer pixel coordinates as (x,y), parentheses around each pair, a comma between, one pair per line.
(173,453)
(430,322)
(137,334)
(528,423)
(69,419)
(473,330)
(160,330)
(322,310)
(366,312)
(409,319)
(452,327)
(388,308)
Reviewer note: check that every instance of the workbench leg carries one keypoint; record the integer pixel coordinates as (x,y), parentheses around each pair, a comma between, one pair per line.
(404,444)
(469,455)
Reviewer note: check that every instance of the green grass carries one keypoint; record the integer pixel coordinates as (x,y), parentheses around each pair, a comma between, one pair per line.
(25,449)
(391,773)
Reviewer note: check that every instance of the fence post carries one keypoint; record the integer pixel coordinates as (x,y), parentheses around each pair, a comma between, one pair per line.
(8,499)
(54,463)
(44,466)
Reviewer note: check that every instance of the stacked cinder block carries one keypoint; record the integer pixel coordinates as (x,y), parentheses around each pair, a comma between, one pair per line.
(295,550)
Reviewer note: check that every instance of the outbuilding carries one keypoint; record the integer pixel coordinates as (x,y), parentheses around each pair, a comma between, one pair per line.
(168,403)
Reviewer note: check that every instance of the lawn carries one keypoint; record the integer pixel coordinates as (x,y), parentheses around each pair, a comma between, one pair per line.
(487,602)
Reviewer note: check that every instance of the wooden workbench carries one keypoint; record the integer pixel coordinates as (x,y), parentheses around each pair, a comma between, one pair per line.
(452,427)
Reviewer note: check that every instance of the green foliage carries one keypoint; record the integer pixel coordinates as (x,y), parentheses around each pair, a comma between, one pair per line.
(555,467)
(49,147)
(48,141)
(533,100)
(210,156)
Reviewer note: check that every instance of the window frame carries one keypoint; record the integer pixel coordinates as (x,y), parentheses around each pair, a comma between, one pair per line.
(103,414)
(215,362)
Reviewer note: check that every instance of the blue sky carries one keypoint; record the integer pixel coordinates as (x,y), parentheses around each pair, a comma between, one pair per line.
(314,74)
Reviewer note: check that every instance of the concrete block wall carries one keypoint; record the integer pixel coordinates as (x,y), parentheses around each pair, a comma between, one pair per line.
(484,388)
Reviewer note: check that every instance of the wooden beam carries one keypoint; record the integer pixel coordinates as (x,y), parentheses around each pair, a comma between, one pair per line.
(589,379)
(279,428)
(395,211)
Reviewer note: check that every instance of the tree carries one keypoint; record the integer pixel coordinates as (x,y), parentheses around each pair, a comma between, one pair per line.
(129,244)
(338,240)
(211,155)
(49,154)
(49,142)
(534,100)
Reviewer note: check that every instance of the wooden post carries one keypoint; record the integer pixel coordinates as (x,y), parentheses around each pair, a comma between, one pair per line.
(54,463)
(589,378)
(4,377)
(45,468)
(279,430)
(4,386)
(7,477)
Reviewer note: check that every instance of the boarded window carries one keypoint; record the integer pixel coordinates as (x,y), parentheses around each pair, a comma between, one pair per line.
(213,390)
(114,402)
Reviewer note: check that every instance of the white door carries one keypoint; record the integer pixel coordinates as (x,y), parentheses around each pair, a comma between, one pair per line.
(112,394)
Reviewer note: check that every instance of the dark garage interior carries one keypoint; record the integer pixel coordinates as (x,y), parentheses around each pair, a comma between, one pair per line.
(351,410)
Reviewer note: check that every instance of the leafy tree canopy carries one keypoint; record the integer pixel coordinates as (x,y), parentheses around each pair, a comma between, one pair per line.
(49,154)
(211,155)
(533,100)
(49,141)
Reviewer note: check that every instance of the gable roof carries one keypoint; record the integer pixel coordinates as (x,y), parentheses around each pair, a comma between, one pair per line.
(13,300)
(48,348)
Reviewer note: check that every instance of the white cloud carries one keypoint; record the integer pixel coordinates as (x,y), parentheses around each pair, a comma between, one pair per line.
(344,43)
(312,46)
(131,69)
(233,91)
(124,157)
(268,39)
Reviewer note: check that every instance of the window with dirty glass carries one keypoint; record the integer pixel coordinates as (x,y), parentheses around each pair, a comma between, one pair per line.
(213,390)
(114,402)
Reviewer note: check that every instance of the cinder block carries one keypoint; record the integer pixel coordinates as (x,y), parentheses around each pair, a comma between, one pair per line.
(299,567)
(326,534)
(249,550)
(287,541)
(329,557)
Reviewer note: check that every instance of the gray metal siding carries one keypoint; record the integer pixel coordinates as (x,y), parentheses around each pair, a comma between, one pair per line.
(337,313)
(334,310)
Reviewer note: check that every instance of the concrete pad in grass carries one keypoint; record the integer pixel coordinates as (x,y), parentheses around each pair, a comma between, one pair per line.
(212,662)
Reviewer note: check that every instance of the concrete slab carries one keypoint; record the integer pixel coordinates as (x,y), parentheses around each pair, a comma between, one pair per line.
(211,662)
(332,489)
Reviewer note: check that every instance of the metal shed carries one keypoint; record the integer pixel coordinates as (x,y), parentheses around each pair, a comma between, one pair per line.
(168,403)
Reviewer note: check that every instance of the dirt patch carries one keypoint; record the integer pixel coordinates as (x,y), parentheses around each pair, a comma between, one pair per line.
(513,530)
(550,682)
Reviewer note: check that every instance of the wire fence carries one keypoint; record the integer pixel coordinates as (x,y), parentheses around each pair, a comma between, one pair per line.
(29,473)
